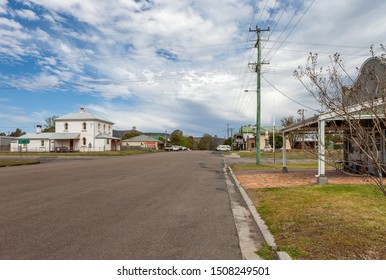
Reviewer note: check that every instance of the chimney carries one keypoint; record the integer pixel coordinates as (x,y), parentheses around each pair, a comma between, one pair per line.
(81,110)
(38,128)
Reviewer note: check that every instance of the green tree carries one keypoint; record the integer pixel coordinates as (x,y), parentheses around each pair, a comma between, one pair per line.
(17,133)
(228,141)
(278,141)
(207,142)
(176,137)
(189,142)
(2,134)
(49,126)
(131,134)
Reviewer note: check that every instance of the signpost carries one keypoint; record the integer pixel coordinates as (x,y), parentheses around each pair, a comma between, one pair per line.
(23,142)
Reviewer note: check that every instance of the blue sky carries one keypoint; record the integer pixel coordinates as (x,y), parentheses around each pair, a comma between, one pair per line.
(166,65)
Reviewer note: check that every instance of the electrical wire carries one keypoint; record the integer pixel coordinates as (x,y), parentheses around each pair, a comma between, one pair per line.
(285,28)
(293,28)
(290,98)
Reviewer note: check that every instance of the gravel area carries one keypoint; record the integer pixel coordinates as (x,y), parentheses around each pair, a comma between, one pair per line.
(296,178)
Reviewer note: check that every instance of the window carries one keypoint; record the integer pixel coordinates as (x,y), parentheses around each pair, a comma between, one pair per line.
(109,129)
(42,143)
(65,126)
(84,126)
(99,127)
(104,128)
(108,141)
(84,141)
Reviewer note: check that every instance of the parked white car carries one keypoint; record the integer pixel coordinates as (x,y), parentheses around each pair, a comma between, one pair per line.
(224,148)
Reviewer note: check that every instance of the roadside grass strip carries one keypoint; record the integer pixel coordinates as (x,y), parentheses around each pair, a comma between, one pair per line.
(325,222)
(17,162)
(274,167)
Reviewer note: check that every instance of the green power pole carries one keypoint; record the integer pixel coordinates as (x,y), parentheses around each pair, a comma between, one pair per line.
(258,91)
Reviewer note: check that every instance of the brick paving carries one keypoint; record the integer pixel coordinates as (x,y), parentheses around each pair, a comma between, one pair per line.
(295,178)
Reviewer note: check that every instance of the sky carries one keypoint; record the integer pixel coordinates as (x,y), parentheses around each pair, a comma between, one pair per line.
(162,65)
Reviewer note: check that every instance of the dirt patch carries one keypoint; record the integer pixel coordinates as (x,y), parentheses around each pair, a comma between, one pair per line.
(296,178)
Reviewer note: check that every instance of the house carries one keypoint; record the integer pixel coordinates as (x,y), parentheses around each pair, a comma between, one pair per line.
(82,131)
(141,142)
(246,138)
(360,118)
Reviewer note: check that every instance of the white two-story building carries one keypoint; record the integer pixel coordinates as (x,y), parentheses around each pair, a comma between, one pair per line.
(82,131)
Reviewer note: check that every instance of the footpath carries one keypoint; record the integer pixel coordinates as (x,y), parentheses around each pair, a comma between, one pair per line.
(247,242)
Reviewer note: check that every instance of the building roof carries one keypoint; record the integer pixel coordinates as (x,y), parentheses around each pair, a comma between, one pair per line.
(50,136)
(82,115)
(32,136)
(106,136)
(271,128)
(141,138)
(247,129)
(64,136)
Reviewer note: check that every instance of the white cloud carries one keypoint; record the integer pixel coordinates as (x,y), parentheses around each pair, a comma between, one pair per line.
(27,14)
(180,64)
(3,5)
(10,24)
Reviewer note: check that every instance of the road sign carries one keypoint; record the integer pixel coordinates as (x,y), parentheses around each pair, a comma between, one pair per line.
(23,141)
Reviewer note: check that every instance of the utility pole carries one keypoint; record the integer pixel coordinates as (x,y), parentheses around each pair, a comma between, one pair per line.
(227,130)
(258,90)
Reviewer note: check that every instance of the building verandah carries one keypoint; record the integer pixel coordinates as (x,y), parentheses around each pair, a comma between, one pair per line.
(354,159)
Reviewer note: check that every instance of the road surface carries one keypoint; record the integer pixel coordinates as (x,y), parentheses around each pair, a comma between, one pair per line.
(154,206)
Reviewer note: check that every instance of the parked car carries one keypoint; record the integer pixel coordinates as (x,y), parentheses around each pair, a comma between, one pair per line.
(223,148)
(174,148)
(61,149)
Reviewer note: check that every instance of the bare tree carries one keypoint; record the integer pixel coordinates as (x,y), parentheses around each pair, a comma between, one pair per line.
(293,137)
(49,126)
(357,107)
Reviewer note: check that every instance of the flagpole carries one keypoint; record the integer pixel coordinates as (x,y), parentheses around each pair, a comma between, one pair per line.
(273,140)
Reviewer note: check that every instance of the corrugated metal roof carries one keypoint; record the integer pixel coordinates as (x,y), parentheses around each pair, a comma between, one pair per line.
(141,138)
(43,135)
(106,136)
(64,136)
(50,136)
(82,116)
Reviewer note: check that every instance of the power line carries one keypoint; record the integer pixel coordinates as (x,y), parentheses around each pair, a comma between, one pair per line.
(293,100)
(282,32)
(274,28)
(262,11)
(293,28)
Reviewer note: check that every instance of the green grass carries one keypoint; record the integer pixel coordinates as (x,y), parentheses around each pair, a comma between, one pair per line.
(274,167)
(325,221)
(291,154)
(266,253)
(106,153)
(4,163)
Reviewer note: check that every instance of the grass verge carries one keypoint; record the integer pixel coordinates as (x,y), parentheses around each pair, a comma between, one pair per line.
(293,154)
(325,221)
(106,153)
(274,167)
(266,253)
(18,162)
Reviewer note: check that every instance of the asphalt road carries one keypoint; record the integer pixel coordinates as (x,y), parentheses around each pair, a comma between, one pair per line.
(155,206)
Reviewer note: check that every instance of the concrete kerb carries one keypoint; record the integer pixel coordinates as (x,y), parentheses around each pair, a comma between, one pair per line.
(267,235)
